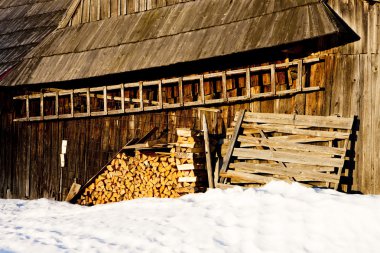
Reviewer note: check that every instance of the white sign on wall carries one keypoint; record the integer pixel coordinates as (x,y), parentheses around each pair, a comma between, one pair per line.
(64,146)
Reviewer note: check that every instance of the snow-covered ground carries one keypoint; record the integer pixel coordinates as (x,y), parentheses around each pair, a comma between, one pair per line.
(276,218)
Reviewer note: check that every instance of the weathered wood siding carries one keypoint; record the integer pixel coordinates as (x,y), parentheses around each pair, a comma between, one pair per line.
(29,152)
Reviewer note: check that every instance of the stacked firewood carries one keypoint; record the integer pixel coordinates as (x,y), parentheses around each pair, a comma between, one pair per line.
(139,176)
(150,174)
(190,159)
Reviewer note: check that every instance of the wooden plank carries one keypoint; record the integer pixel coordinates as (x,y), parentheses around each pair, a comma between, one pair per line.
(105,100)
(300,120)
(185,132)
(300,173)
(182,167)
(230,151)
(208,153)
(285,156)
(88,102)
(246,141)
(304,167)
(74,189)
(247,178)
(292,130)
(187,179)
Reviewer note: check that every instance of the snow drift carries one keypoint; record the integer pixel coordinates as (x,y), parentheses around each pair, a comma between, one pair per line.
(276,218)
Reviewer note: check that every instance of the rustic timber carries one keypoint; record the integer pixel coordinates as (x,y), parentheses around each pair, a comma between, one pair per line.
(275,155)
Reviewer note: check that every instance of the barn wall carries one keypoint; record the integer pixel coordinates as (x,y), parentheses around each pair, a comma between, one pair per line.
(354,78)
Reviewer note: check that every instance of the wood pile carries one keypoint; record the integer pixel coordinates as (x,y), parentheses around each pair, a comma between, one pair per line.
(190,158)
(150,174)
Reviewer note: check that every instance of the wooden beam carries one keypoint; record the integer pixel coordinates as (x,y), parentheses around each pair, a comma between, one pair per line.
(273,78)
(230,151)
(160,99)
(201,87)
(224,85)
(208,153)
(300,120)
(88,102)
(72,103)
(122,97)
(27,108)
(141,96)
(69,14)
(286,156)
(299,76)
(248,82)
(56,103)
(180,88)
(105,100)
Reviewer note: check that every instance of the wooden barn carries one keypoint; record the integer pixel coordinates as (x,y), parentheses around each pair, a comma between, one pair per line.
(99,73)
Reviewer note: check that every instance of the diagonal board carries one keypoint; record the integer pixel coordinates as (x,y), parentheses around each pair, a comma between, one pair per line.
(227,158)
(307,149)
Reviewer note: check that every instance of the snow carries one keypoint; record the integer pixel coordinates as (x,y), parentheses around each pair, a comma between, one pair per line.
(276,218)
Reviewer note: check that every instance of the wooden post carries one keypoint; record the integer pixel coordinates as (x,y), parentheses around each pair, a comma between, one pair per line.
(98,10)
(201,87)
(160,102)
(72,103)
(105,100)
(224,84)
(273,78)
(88,102)
(109,8)
(227,158)
(299,75)
(122,95)
(248,82)
(42,106)
(57,103)
(141,96)
(119,7)
(180,90)
(208,153)
(27,108)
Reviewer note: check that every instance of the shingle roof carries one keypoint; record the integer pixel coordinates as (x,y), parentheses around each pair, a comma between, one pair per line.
(174,34)
(23,24)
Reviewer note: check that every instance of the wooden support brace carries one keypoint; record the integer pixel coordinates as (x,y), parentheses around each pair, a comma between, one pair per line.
(208,153)
(227,158)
